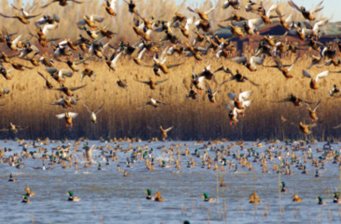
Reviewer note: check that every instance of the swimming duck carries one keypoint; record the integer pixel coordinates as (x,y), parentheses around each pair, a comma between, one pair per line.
(25,199)
(11,178)
(336,198)
(149,194)
(254,198)
(72,197)
(29,192)
(208,199)
(158,197)
(314,81)
(320,200)
(283,187)
(296,198)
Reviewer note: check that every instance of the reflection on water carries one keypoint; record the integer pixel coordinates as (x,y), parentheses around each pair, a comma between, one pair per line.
(107,196)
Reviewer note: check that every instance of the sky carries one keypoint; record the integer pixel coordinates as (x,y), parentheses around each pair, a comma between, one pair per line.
(331,7)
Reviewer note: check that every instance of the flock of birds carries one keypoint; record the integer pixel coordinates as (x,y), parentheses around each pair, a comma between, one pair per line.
(292,158)
(187,36)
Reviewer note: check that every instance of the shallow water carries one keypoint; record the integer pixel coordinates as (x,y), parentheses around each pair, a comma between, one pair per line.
(109,197)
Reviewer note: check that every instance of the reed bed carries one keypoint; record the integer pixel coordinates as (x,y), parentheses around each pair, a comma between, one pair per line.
(125,113)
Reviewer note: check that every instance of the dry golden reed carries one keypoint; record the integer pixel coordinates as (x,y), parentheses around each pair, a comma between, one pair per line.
(125,113)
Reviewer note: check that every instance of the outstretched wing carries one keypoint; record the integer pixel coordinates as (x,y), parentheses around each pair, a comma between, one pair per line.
(292,4)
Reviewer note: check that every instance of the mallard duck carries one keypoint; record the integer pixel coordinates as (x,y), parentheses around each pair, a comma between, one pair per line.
(238,76)
(208,199)
(203,15)
(266,14)
(314,81)
(158,197)
(154,102)
(164,132)
(240,101)
(284,69)
(149,194)
(12,178)
(110,7)
(306,128)
(61,2)
(72,197)
(235,4)
(68,91)
(25,199)
(138,59)
(131,6)
(309,15)
(296,101)
(29,192)
(251,63)
(68,117)
(13,128)
(112,62)
(212,93)
(59,75)
(320,200)
(24,17)
(66,102)
(336,198)
(4,92)
(122,83)
(15,44)
(48,84)
(152,83)
(312,112)
(93,114)
(254,198)
(283,187)
(233,116)
(88,73)
(296,198)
